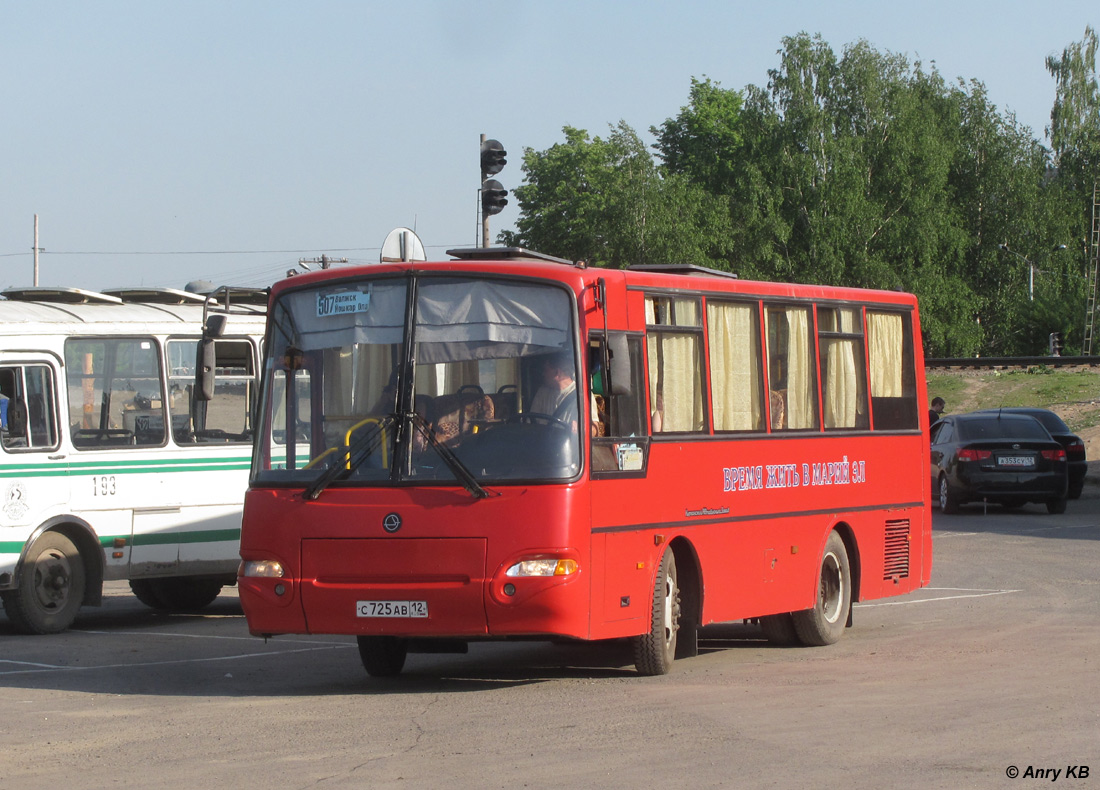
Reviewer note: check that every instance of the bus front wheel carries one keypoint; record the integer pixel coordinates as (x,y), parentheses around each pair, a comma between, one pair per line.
(382,656)
(825,622)
(51,587)
(655,651)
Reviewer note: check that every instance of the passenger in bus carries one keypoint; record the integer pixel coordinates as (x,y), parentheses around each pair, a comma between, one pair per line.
(14,412)
(599,415)
(777,402)
(460,413)
(657,416)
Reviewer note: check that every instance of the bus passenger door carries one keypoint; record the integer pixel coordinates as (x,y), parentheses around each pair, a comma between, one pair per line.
(119,434)
(617,468)
(33,466)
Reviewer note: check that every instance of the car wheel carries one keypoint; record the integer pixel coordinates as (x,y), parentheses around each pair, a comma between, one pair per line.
(949,503)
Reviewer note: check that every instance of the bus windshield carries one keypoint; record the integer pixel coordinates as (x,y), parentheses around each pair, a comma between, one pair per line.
(478,385)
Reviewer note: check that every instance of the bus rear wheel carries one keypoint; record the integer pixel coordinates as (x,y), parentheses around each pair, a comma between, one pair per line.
(825,622)
(779,630)
(51,587)
(655,651)
(179,594)
(383,656)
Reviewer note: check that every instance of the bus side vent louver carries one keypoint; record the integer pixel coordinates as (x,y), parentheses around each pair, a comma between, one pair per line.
(896,560)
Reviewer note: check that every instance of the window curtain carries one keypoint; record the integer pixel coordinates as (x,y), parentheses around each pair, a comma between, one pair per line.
(355,378)
(801,403)
(842,390)
(674,392)
(884,338)
(735,367)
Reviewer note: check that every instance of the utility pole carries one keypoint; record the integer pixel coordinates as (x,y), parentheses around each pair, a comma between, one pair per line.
(37,250)
(1093,270)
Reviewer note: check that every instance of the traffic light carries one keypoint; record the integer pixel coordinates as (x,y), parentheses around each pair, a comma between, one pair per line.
(1056,344)
(492,158)
(493,197)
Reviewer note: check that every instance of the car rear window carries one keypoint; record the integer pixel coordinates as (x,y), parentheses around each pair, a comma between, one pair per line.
(1002,428)
(1052,422)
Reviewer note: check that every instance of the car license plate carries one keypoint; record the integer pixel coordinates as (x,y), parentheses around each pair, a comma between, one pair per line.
(1019,461)
(391,608)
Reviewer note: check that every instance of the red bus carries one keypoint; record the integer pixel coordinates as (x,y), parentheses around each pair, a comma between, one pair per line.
(508,445)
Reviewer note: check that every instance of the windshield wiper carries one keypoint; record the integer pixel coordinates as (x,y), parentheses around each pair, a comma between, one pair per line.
(356,453)
(459,469)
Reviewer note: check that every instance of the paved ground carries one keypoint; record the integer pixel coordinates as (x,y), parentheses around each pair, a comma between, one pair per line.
(991,669)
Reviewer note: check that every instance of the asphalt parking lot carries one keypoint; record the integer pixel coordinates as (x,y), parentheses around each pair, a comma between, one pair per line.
(991,668)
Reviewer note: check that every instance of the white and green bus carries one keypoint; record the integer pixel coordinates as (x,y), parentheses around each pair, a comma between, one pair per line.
(116,461)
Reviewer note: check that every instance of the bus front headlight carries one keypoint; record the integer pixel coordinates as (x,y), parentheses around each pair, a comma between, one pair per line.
(261,569)
(543,567)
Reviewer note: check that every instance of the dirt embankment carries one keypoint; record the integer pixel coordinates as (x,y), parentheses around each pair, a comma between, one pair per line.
(1071,393)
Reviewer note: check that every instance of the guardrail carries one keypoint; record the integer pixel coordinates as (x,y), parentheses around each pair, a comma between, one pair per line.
(1010,362)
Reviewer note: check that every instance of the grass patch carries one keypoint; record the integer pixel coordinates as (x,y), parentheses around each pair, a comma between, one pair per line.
(1073,394)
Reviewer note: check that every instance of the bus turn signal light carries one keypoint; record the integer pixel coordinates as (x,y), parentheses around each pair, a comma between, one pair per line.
(543,567)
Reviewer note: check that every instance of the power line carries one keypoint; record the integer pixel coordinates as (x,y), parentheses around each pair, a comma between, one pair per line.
(213,252)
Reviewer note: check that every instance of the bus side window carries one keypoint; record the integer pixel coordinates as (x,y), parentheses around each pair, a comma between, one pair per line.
(791,368)
(226,416)
(27,410)
(115,392)
(674,341)
(617,396)
(893,380)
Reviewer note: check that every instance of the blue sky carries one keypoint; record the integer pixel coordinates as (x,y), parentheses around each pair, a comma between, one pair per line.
(165,142)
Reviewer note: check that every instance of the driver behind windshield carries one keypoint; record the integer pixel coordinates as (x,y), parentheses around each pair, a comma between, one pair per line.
(556,397)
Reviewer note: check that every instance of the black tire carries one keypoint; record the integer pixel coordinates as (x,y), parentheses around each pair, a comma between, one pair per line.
(949,503)
(655,651)
(383,656)
(1056,506)
(176,594)
(51,587)
(145,591)
(779,630)
(825,622)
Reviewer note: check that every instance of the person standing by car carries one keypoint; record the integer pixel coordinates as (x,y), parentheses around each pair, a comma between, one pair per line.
(938,405)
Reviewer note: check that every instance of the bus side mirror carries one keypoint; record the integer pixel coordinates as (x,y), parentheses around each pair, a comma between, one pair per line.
(621,374)
(206,362)
(204,370)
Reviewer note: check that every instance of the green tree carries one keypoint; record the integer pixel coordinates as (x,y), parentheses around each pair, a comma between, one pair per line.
(1075,118)
(604,201)
(1075,137)
(703,142)
(858,168)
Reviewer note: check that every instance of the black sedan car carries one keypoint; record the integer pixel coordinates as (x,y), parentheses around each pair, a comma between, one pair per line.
(1075,447)
(1009,459)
